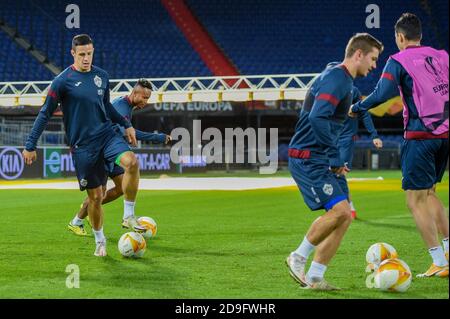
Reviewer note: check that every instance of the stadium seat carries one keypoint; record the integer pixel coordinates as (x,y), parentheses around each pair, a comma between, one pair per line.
(131,39)
(138,38)
(268,37)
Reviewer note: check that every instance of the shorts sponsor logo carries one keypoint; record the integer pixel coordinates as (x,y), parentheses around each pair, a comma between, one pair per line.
(11,163)
(328,189)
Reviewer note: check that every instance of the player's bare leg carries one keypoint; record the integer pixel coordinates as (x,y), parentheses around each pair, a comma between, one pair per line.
(438,211)
(130,186)
(83,213)
(440,217)
(115,192)
(327,248)
(110,195)
(417,201)
(130,181)
(77,224)
(322,227)
(95,212)
(333,223)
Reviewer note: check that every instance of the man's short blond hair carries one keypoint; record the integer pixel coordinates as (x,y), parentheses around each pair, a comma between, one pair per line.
(364,42)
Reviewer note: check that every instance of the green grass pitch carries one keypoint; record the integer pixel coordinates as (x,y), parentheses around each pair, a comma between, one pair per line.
(210,244)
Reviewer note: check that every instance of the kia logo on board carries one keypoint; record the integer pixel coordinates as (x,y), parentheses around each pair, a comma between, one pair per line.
(11,163)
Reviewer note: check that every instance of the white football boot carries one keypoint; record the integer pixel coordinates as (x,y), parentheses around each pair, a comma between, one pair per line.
(296,265)
(100,249)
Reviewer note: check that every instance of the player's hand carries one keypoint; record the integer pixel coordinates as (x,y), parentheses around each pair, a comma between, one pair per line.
(351,113)
(378,143)
(130,133)
(29,157)
(340,170)
(168,139)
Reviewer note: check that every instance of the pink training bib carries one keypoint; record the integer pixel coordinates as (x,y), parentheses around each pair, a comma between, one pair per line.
(428,69)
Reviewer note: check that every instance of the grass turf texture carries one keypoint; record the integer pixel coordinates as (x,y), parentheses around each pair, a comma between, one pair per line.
(210,244)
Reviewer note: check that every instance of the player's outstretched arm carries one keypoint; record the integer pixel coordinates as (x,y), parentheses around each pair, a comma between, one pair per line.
(153,137)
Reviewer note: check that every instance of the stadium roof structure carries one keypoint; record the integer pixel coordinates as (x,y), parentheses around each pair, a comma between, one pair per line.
(180,90)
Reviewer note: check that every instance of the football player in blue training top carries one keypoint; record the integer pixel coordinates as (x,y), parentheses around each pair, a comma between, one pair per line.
(315,162)
(137,99)
(82,90)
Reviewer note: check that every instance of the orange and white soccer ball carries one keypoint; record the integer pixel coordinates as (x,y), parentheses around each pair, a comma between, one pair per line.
(150,226)
(132,244)
(379,252)
(393,275)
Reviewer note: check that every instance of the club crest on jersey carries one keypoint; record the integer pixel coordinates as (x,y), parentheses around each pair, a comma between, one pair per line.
(100,92)
(98,81)
(328,189)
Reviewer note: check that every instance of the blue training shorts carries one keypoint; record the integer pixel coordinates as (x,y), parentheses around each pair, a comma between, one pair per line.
(91,161)
(342,181)
(318,185)
(423,163)
(116,171)
(113,170)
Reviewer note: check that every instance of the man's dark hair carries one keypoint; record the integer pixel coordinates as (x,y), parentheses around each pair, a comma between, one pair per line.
(410,26)
(81,39)
(144,83)
(363,41)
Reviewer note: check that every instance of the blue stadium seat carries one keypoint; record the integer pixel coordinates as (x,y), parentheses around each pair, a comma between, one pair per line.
(139,34)
(138,38)
(291,36)
(17,65)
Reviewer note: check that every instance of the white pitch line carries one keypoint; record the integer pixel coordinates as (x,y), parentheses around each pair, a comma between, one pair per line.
(187,183)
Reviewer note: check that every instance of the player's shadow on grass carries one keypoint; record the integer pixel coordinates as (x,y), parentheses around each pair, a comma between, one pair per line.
(145,274)
(202,252)
(385,225)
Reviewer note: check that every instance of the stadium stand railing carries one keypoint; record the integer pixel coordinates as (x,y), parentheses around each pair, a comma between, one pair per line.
(201,89)
(257,36)
(16,133)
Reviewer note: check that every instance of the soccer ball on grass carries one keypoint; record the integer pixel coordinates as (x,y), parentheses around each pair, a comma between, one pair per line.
(132,244)
(393,275)
(379,252)
(150,226)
